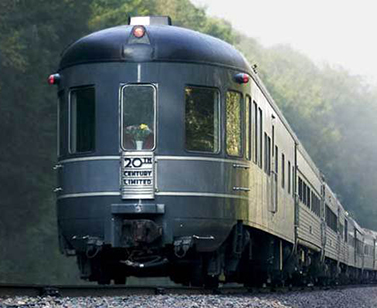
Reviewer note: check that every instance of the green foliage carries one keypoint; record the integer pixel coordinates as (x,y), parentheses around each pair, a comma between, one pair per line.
(33,33)
(110,13)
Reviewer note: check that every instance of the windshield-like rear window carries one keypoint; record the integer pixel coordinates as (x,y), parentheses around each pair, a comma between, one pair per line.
(138,119)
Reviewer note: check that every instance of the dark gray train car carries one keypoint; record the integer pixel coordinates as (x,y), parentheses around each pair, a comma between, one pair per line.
(173,160)
(144,170)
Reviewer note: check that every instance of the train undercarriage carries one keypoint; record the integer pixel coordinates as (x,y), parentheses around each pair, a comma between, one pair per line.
(248,256)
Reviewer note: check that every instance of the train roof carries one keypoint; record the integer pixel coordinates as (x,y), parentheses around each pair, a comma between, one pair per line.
(161,43)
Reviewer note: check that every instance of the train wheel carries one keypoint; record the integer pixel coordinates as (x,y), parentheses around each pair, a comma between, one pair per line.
(197,277)
(211,282)
(104,280)
(120,280)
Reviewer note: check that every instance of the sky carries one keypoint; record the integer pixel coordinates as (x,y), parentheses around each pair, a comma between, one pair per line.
(337,32)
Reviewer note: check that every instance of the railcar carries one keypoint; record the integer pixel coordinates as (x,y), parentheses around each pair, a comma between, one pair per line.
(174,160)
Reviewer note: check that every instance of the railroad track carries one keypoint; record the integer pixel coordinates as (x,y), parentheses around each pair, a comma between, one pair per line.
(11,290)
(82,291)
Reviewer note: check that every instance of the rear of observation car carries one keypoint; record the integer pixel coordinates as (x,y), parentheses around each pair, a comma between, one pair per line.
(144,178)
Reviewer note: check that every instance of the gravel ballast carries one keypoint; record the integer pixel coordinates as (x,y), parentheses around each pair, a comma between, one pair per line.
(365,297)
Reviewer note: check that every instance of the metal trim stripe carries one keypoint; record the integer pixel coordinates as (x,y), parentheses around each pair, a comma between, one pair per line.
(91,194)
(181,194)
(199,194)
(72,160)
(182,158)
(221,160)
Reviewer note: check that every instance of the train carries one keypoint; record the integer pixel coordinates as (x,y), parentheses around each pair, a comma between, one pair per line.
(174,160)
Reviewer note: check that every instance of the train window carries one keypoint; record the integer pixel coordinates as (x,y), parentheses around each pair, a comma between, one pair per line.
(233,123)
(331,219)
(202,119)
(248,127)
(308,197)
(346,230)
(282,170)
(267,154)
(293,180)
(62,120)
(260,138)
(304,192)
(300,189)
(276,160)
(316,205)
(255,132)
(276,164)
(82,120)
(138,120)
(289,177)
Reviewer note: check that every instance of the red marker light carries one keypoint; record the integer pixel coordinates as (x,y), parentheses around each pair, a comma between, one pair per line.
(242,78)
(54,79)
(138,31)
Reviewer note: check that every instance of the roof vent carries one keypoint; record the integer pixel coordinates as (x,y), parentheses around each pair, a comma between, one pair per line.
(149,20)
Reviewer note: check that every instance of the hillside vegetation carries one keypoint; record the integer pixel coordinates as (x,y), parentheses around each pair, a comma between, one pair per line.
(332,112)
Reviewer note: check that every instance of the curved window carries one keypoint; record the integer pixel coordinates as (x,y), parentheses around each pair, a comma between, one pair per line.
(138,117)
(202,119)
(233,123)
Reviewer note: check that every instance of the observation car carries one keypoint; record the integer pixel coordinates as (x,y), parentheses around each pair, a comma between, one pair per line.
(174,160)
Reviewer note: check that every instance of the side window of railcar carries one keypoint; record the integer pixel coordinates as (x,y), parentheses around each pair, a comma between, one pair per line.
(248,127)
(138,117)
(260,138)
(282,170)
(331,219)
(202,119)
(289,177)
(62,120)
(267,154)
(300,194)
(308,196)
(316,205)
(82,120)
(293,180)
(276,161)
(255,121)
(233,123)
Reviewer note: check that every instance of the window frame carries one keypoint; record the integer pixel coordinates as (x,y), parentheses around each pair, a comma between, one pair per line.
(121,102)
(70,119)
(219,125)
(242,125)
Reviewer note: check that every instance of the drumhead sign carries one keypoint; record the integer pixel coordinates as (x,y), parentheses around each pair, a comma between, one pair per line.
(137,175)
